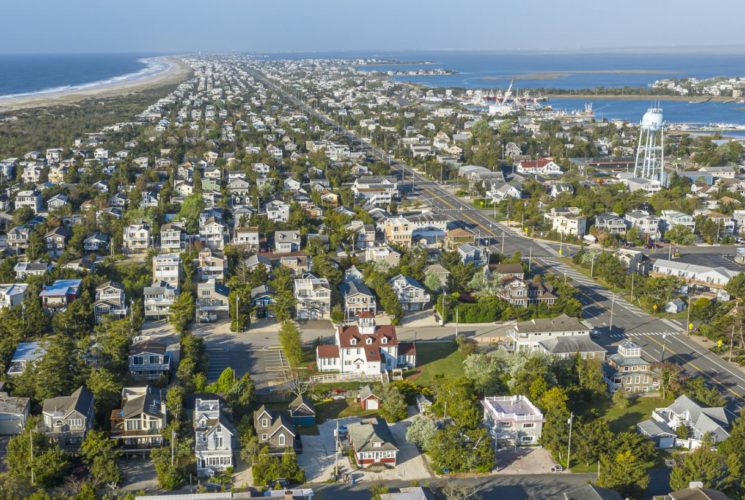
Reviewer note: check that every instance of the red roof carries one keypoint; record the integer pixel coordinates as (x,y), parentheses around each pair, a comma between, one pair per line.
(540,163)
(352,332)
(407,349)
(372,354)
(327,351)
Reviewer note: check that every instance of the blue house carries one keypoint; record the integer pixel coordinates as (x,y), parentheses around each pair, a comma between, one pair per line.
(302,412)
(261,298)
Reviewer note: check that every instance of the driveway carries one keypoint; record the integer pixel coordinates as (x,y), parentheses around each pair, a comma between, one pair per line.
(138,474)
(318,457)
(524,461)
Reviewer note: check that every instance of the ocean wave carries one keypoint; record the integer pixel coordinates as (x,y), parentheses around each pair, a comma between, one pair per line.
(154,66)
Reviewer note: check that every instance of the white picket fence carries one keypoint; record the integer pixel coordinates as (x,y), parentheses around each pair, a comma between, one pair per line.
(325,378)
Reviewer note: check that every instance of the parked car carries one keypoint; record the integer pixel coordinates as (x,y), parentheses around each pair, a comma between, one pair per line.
(557,468)
(342,431)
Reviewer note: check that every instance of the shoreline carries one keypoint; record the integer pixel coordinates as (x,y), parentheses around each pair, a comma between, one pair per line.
(176,72)
(644,97)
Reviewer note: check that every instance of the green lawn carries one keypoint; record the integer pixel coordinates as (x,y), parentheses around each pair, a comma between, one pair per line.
(640,408)
(338,408)
(436,358)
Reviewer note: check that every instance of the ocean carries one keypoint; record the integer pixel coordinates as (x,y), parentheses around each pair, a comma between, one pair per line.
(22,74)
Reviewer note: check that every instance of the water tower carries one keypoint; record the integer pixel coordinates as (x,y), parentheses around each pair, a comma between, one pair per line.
(650,154)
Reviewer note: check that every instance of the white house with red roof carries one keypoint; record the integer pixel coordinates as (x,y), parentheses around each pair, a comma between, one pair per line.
(541,166)
(365,348)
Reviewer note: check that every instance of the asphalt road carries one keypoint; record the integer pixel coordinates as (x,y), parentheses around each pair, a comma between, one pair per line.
(616,319)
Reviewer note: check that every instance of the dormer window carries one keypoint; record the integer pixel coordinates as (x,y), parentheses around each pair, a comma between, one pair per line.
(384,340)
(377,444)
(354,342)
(265,422)
(369,340)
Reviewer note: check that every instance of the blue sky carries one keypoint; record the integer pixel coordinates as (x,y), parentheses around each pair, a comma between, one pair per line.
(46,26)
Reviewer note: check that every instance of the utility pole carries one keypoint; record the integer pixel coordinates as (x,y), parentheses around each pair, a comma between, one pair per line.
(237,314)
(664,342)
(173,445)
(530,258)
(569,447)
(502,251)
(612,303)
(31,452)
(592,266)
(457,311)
(336,451)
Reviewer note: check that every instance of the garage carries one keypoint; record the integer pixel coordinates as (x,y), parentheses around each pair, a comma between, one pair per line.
(10,424)
(13,414)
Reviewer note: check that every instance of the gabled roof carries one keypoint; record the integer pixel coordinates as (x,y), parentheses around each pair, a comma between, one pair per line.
(301,406)
(79,401)
(365,435)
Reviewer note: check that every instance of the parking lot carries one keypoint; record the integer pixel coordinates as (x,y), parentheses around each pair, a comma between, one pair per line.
(318,456)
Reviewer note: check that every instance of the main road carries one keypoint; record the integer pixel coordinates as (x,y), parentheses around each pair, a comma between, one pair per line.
(612,316)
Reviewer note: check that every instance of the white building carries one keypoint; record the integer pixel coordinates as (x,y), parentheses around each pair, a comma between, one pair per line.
(213,437)
(365,349)
(137,238)
(567,221)
(167,268)
(527,335)
(12,295)
(513,420)
(30,199)
(715,278)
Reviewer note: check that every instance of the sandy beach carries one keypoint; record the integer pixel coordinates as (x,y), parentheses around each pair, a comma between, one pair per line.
(177,72)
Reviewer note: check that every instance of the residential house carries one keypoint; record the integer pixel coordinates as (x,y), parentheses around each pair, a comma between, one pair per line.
(110,301)
(459,236)
(12,295)
(137,238)
(67,419)
(13,414)
(153,358)
(287,241)
(610,222)
(398,231)
(648,225)
(171,238)
(167,269)
(30,199)
(96,242)
(365,348)
(442,274)
(629,370)
(567,221)
(375,191)
(357,298)
(214,233)
(275,430)
(212,300)
(542,166)
(411,294)
(25,269)
(512,420)
(277,211)
(527,335)
(302,413)
(248,236)
(57,201)
(373,443)
(672,218)
(139,422)
(522,293)
(56,241)
(696,419)
(312,297)
(212,266)
(60,293)
(26,353)
(158,300)
(213,437)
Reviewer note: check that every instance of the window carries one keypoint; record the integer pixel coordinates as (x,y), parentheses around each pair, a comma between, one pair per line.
(528,426)
(369,341)
(281,440)
(264,437)
(265,422)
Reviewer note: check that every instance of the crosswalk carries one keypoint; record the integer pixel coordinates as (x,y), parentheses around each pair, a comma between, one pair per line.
(219,359)
(641,334)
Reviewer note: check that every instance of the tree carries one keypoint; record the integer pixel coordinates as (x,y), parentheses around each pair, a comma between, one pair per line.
(457,400)
(487,371)
(703,465)
(593,440)
(670,379)
(620,400)
(172,474)
(625,472)
(680,235)
(393,403)
(268,468)
(284,299)
(432,282)
(49,463)
(292,344)
(191,207)
(100,455)
(182,311)
(736,286)
(421,431)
